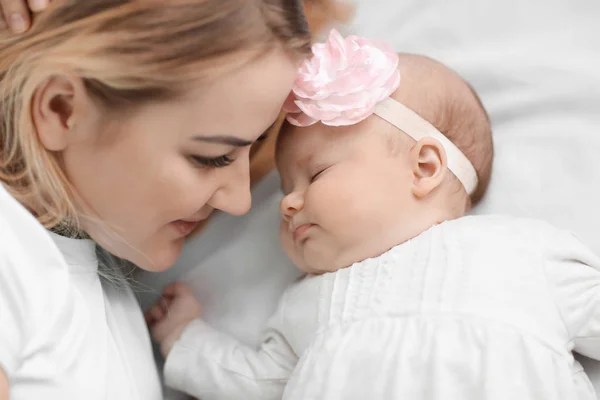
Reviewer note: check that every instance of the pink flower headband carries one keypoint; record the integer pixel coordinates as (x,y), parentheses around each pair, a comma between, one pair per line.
(348,80)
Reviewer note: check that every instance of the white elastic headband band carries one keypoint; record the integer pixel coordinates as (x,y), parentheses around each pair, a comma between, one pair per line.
(418,128)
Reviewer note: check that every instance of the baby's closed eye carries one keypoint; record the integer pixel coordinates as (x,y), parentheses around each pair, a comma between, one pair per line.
(318,171)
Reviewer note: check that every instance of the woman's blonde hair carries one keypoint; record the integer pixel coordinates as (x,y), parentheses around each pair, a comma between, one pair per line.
(128,53)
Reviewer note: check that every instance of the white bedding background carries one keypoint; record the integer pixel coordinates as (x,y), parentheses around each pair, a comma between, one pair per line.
(536,66)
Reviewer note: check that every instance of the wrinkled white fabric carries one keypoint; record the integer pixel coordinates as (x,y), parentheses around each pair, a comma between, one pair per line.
(64,333)
(44,343)
(477,308)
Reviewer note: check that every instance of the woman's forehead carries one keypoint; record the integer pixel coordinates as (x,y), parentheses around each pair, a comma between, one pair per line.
(251,96)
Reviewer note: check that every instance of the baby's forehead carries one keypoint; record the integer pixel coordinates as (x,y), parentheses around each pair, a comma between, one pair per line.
(295,141)
(296,145)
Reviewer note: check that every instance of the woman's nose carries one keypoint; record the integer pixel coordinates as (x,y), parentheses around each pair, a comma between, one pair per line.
(290,205)
(233,194)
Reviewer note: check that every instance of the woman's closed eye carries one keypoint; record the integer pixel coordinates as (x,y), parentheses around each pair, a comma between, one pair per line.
(212,162)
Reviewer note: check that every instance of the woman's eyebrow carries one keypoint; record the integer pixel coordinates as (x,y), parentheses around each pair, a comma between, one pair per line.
(227,140)
(231,140)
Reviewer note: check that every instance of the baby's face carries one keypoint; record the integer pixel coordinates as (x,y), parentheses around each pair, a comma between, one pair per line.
(347,194)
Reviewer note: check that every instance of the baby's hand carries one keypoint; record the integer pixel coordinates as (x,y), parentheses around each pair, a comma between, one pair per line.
(168,318)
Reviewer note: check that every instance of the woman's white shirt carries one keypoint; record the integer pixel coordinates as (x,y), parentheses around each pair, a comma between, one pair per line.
(64,333)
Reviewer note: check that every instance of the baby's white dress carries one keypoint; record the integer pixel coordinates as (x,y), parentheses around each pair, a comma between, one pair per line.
(481,308)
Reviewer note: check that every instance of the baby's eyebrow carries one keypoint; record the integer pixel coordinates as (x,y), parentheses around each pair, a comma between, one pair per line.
(305,160)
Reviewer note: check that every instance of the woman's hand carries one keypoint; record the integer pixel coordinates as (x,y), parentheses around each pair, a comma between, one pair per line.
(17,13)
(168,318)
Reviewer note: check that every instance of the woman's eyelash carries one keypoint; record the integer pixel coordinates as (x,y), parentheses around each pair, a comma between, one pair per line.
(263,137)
(217,162)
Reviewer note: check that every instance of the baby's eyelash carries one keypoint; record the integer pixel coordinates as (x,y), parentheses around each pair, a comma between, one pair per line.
(316,175)
(216,162)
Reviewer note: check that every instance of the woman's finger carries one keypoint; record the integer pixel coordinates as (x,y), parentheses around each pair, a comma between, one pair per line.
(38,5)
(16,14)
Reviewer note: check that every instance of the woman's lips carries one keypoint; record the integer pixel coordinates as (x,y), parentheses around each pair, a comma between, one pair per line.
(184,228)
(301,232)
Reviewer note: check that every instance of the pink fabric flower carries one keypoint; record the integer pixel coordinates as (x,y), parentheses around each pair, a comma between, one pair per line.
(342,82)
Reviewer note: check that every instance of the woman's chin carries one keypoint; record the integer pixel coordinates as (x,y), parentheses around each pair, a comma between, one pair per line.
(161,257)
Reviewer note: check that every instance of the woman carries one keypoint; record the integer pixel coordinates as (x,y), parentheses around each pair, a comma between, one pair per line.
(125,124)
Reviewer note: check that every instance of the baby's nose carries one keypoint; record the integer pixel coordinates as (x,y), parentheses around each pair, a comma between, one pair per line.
(290,205)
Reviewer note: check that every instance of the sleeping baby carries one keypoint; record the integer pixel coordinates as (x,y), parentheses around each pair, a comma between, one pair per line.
(404,296)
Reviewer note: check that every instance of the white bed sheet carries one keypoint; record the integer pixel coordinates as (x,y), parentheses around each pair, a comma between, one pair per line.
(536,66)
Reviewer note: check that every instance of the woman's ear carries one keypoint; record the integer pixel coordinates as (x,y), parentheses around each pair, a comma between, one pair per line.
(57,103)
(429,166)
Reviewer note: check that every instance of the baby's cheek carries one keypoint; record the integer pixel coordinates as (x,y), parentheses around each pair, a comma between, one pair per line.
(341,205)
(285,238)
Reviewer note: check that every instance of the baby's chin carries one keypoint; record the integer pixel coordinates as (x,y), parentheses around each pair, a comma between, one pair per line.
(318,263)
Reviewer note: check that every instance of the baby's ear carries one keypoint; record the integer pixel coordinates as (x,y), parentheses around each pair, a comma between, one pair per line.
(428,160)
